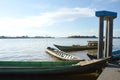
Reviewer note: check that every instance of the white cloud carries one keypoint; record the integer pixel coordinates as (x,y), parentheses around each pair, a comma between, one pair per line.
(45,19)
(109,0)
(39,6)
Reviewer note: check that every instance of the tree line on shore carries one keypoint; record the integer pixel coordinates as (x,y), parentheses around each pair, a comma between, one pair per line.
(77,36)
(24,37)
(82,36)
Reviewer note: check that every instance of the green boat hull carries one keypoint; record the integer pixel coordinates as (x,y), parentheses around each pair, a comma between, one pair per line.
(33,67)
(35,64)
(66,67)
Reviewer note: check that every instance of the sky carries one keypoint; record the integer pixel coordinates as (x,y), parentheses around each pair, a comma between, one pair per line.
(58,18)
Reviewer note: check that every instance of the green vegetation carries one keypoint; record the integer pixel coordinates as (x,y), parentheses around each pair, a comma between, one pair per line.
(23,37)
(81,36)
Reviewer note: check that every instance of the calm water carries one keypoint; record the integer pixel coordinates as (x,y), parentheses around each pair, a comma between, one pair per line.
(34,49)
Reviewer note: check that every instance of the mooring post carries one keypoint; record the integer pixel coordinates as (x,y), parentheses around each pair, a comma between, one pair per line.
(110,36)
(106,42)
(108,16)
(100,41)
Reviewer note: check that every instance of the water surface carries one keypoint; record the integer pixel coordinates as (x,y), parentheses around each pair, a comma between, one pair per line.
(34,49)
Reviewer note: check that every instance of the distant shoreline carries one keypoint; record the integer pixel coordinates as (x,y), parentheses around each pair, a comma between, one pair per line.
(39,37)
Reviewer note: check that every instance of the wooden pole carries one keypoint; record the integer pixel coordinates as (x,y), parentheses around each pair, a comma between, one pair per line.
(105,43)
(110,36)
(100,41)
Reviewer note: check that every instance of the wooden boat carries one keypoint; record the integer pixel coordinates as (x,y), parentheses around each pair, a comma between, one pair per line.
(64,67)
(74,47)
(115,55)
(92,56)
(61,55)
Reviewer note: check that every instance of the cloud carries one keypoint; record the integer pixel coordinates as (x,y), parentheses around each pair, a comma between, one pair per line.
(70,14)
(109,0)
(48,18)
(39,6)
(45,19)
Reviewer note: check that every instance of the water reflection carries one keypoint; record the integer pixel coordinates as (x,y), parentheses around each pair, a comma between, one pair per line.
(92,51)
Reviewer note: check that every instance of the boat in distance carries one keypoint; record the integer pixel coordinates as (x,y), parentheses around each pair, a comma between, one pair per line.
(61,55)
(74,47)
(89,46)
(47,67)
